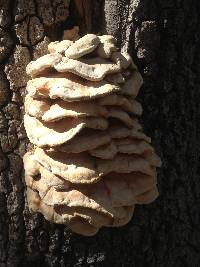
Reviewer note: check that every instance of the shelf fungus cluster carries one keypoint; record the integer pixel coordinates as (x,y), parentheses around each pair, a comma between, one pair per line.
(91,162)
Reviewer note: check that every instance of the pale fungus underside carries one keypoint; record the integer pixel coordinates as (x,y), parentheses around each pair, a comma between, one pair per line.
(91,162)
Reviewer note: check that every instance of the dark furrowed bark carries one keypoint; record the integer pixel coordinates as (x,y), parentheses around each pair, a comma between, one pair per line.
(163,37)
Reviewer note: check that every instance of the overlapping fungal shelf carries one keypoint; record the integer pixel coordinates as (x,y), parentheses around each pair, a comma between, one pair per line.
(91,162)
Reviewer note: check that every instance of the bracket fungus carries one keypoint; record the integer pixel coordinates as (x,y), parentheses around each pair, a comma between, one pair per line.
(91,163)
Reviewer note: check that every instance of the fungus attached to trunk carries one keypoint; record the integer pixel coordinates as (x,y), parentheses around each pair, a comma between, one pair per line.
(91,163)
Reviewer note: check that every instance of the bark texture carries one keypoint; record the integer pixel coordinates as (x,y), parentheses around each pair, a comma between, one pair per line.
(164,39)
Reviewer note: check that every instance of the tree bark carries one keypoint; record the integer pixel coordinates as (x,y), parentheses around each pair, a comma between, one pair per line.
(163,38)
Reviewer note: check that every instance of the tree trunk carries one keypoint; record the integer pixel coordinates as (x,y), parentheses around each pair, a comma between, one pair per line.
(163,38)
